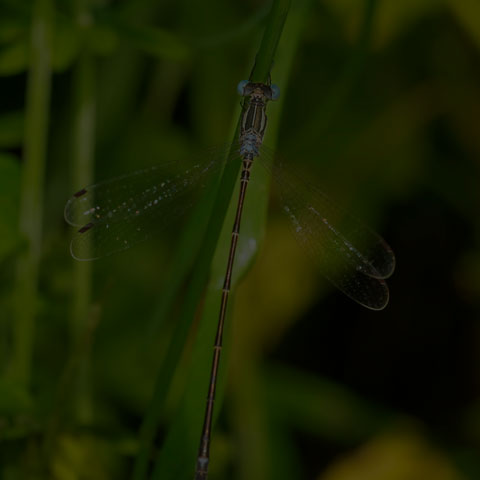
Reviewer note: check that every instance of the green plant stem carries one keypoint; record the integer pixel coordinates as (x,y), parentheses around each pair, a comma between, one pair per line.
(32,187)
(73,385)
(271,37)
(248,410)
(82,168)
(184,432)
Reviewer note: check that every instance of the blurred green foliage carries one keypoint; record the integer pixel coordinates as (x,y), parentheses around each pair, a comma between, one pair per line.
(381,101)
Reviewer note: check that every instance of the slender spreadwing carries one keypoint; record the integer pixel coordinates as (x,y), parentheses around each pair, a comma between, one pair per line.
(118,213)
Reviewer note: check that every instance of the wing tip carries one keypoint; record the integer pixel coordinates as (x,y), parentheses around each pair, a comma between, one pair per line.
(378,307)
(77,257)
(68,212)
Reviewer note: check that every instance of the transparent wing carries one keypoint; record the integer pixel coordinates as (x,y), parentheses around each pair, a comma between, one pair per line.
(348,253)
(118,213)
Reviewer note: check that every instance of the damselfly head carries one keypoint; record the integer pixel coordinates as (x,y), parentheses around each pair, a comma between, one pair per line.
(250,89)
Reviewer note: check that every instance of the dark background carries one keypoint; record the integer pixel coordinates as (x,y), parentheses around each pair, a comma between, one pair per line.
(383,104)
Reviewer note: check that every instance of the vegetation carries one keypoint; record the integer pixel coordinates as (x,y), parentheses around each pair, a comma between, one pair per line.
(105,364)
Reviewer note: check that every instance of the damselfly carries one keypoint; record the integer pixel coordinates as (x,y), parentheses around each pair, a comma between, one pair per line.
(115,214)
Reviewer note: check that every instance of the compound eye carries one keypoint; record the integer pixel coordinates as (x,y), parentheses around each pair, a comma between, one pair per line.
(275,92)
(241,87)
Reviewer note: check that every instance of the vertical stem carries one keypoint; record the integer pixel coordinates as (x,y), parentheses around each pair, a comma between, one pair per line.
(82,169)
(74,381)
(32,185)
(271,37)
(178,443)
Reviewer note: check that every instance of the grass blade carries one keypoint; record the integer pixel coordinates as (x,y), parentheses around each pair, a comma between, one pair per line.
(31,204)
